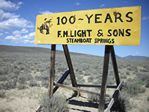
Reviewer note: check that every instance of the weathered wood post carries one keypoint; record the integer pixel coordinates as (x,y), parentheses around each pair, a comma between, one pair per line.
(70,66)
(52,69)
(115,68)
(104,78)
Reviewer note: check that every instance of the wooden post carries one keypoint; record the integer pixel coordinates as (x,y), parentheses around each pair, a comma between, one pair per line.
(69,63)
(61,80)
(104,78)
(95,86)
(78,90)
(115,68)
(52,69)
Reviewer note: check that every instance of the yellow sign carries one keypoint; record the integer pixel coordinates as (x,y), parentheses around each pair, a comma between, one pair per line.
(111,26)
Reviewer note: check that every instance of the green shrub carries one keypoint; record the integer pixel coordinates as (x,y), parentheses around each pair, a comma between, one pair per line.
(56,103)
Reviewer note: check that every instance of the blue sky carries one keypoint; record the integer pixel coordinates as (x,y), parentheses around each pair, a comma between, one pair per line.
(17,22)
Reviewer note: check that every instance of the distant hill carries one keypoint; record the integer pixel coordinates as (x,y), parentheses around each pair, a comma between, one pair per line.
(130,57)
(24,49)
(5,48)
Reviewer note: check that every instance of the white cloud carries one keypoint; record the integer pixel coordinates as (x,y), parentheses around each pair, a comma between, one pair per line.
(16,28)
(22,31)
(6,5)
(46,12)
(9,20)
(21,38)
(29,36)
(28,41)
(10,37)
(7,15)
(145,18)
(16,22)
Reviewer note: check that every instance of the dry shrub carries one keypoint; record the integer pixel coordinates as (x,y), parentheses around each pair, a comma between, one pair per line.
(134,88)
(144,78)
(93,97)
(2,93)
(21,86)
(56,103)
(33,83)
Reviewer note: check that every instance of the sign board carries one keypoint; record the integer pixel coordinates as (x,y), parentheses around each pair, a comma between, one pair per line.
(110,26)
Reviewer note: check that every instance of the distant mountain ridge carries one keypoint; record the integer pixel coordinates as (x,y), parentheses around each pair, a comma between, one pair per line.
(130,57)
(27,49)
(5,48)
(24,49)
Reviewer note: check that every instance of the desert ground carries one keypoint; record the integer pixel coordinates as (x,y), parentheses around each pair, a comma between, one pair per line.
(24,75)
